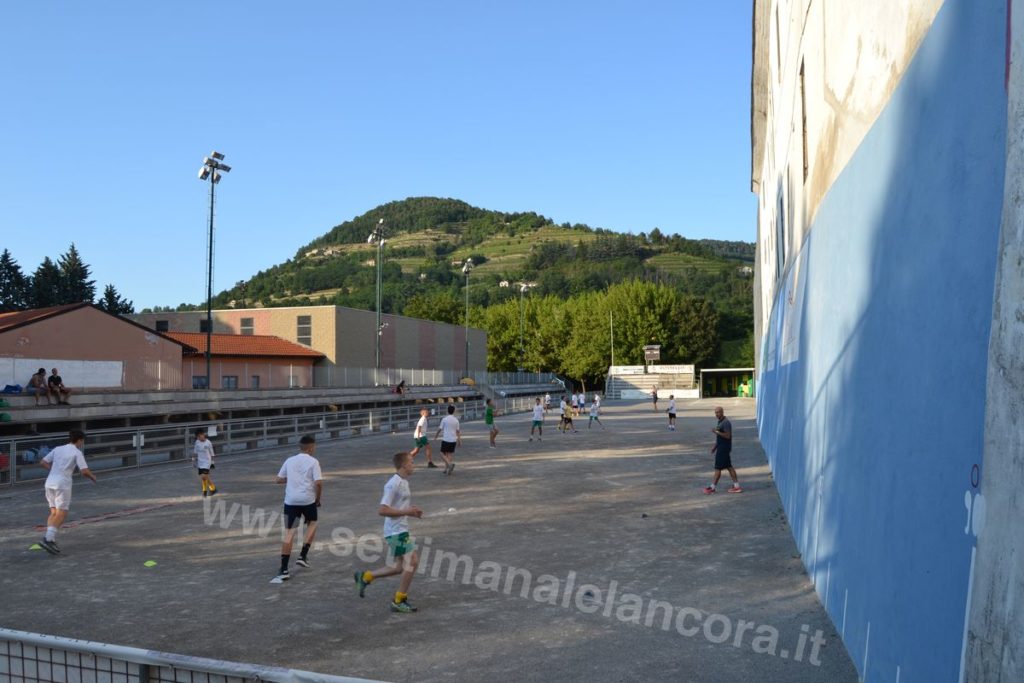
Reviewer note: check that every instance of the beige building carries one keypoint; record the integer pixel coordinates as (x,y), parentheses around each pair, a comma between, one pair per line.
(344,335)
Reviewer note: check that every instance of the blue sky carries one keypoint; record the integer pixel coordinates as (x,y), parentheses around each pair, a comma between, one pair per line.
(623,115)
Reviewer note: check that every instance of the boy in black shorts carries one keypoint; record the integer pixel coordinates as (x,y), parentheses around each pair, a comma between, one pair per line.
(303,487)
(451,436)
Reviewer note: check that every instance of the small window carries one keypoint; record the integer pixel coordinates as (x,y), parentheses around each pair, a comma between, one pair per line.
(203,325)
(162,326)
(229,382)
(246,326)
(254,382)
(198,381)
(304,329)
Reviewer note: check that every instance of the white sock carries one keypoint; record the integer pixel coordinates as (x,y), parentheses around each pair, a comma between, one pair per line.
(51,533)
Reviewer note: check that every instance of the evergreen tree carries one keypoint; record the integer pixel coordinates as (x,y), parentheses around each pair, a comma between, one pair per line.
(47,284)
(112,302)
(14,286)
(76,285)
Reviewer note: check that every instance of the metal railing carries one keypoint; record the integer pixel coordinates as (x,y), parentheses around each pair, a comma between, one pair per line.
(333,376)
(27,657)
(145,446)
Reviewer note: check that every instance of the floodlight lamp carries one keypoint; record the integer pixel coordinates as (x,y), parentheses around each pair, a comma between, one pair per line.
(224,167)
(380,222)
(217,155)
(369,240)
(216,177)
(207,161)
(204,173)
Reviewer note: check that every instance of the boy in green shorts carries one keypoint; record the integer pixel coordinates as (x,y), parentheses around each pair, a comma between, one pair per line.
(489,421)
(420,437)
(396,507)
(538,421)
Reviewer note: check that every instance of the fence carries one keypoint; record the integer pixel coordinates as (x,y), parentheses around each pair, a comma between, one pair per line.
(334,376)
(28,657)
(144,446)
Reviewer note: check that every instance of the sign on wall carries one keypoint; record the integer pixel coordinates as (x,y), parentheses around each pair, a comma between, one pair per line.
(96,374)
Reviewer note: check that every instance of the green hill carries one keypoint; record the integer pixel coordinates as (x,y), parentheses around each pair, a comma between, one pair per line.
(428,239)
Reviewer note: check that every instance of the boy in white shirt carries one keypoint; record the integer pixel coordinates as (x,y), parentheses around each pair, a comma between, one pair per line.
(303,487)
(538,421)
(61,462)
(671,412)
(593,415)
(420,437)
(202,456)
(547,402)
(451,436)
(396,507)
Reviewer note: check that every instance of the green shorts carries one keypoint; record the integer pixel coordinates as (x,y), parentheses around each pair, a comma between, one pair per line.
(421,442)
(400,544)
(538,423)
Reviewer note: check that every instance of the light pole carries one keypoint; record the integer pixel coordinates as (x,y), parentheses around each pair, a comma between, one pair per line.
(211,170)
(466,268)
(377,237)
(523,287)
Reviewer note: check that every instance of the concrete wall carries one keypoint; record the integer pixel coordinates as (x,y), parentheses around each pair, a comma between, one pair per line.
(148,360)
(992,507)
(877,311)
(273,373)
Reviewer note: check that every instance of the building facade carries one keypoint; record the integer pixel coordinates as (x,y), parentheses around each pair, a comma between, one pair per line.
(344,335)
(245,362)
(92,349)
(879,156)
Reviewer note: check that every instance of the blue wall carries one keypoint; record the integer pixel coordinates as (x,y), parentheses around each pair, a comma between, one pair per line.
(872,393)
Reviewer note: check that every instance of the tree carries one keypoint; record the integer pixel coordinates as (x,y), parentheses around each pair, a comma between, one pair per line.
(443,307)
(46,285)
(14,286)
(112,302)
(76,285)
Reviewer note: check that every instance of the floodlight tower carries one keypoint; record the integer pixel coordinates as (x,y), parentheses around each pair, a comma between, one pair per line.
(377,237)
(467,267)
(523,288)
(211,170)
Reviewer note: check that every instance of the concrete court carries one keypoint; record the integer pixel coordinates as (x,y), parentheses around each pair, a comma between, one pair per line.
(570,503)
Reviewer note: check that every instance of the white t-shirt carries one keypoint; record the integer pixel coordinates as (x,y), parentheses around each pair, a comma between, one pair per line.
(538,413)
(450,428)
(573,400)
(302,471)
(421,427)
(397,496)
(672,405)
(204,454)
(63,461)
(593,409)
(547,399)
(562,405)
(597,400)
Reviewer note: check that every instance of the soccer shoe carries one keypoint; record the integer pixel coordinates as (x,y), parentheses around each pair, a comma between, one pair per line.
(709,489)
(214,491)
(205,494)
(361,584)
(451,469)
(432,465)
(302,562)
(281,578)
(49,546)
(404,607)
(531,438)
(735,488)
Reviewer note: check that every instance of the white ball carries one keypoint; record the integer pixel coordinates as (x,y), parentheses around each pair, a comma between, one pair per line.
(451,509)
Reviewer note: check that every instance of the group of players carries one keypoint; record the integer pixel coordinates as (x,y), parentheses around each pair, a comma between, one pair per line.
(303,479)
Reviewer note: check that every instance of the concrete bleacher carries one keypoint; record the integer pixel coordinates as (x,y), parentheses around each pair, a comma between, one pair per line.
(633,386)
(128,406)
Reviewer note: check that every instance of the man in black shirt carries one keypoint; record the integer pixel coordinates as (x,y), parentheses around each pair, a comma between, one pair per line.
(57,387)
(723,453)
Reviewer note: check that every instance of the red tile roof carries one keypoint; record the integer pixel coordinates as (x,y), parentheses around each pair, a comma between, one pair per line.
(244,345)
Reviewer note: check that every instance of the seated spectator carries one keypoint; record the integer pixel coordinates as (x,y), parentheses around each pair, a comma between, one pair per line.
(57,387)
(37,386)
(400,389)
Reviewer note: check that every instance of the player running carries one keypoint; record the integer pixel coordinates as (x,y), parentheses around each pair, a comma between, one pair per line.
(538,421)
(61,462)
(420,438)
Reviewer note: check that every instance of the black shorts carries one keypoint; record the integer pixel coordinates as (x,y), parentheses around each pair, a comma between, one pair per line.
(448,446)
(723,459)
(203,470)
(293,512)
(672,416)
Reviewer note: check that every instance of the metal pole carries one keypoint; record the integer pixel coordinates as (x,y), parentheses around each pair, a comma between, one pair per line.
(611,326)
(209,285)
(380,252)
(466,373)
(522,351)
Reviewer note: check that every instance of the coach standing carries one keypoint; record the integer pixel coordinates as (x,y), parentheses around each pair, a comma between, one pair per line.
(723,453)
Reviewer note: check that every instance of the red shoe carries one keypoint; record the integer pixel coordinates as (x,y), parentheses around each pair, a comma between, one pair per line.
(709,489)
(735,488)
